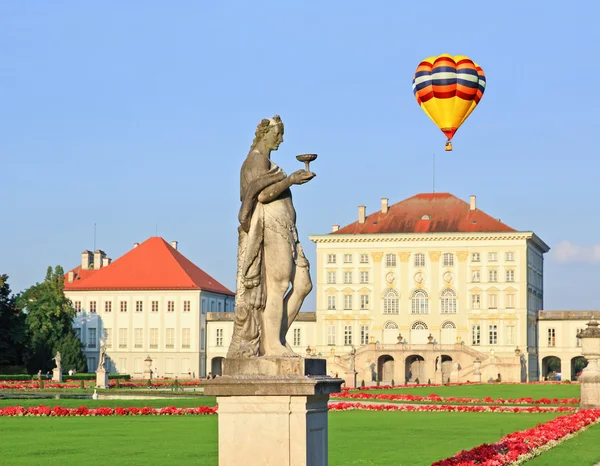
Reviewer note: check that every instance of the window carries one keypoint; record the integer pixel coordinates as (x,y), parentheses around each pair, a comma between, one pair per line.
(154,306)
(77,306)
(347,258)
(297,341)
(170,306)
(419,260)
(391,301)
(510,300)
(448,259)
(418,325)
(493,275)
(330,302)
(492,300)
(91,363)
(510,275)
(390,260)
(364,258)
(219,337)
(185,338)
(138,338)
(510,256)
(203,307)
(331,335)
(510,334)
(493,334)
(476,276)
(331,277)
(476,335)
(347,335)
(170,338)
(331,258)
(108,337)
(364,277)
(219,306)
(364,301)
(364,334)
(448,301)
(475,257)
(91,338)
(579,330)
(123,306)
(108,306)
(93,307)
(347,301)
(551,337)
(202,338)
(139,306)
(153,338)
(212,306)
(476,301)
(420,302)
(187,305)
(122,338)
(492,256)
(347,277)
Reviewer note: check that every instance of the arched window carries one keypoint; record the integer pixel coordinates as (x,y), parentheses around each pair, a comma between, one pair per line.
(448,324)
(448,301)
(420,302)
(389,325)
(419,325)
(390,301)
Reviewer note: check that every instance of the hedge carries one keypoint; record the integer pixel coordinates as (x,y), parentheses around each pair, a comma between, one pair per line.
(65,377)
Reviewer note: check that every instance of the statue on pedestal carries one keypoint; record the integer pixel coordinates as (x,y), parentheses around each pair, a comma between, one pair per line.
(270,256)
(57,360)
(102,361)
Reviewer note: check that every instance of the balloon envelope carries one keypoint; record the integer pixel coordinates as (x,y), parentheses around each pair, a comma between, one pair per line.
(448,89)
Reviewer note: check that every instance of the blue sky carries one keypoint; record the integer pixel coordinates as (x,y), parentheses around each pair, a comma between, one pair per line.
(136,116)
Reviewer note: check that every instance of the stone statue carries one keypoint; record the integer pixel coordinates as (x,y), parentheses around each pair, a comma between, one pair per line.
(57,360)
(270,256)
(102,358)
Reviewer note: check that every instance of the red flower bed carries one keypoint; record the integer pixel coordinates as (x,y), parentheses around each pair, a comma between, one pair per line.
(452,399)
(58,411)
(519,447)
(348,406)
(35,384)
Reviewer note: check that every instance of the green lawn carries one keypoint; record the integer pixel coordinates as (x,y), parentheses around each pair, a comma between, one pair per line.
(356,438)
(581,450)
(493,391)
(69,403)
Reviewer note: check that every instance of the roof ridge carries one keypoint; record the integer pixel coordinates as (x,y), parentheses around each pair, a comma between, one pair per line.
(171,250)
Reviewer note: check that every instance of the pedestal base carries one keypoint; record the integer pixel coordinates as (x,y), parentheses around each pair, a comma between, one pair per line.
(590,390)
(101,379)
(57,375)
(272,420)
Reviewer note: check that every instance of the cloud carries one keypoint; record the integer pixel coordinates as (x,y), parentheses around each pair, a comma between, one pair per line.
(565,251)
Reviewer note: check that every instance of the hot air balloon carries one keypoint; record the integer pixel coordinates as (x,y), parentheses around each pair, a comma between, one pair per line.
(448,89)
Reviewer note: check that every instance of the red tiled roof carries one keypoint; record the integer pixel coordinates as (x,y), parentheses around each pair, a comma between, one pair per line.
(153,265)
(447,214)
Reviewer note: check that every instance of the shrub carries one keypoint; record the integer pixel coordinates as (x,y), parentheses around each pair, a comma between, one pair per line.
(428,381)
(82,384)
(93,376)
(149,383)
(18,377)
(393,383)
(41,383)
(417,381)
(176,385)
(378,383)
(567,381)
(362,384)
(118,383)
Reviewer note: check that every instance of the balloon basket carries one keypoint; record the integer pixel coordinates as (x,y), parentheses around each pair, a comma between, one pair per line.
(448,146)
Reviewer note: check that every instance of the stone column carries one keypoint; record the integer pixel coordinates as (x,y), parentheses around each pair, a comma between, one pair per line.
(434,286)
(590,377)
(278,418)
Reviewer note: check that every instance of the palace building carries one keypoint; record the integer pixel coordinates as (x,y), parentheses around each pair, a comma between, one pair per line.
(431,287)
(152,301)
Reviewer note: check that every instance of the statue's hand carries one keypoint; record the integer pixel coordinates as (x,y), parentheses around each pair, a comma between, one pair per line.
(301,177)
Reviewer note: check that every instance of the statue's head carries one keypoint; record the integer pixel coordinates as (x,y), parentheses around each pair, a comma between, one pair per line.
(270,132)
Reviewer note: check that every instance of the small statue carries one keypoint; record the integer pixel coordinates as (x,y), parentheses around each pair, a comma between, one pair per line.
(102,358)
(57,360)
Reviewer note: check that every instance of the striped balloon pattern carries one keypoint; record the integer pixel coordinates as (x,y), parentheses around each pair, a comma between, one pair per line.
(448,89)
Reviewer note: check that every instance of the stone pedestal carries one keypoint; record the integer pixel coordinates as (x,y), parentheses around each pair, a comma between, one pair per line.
(101,378)
(148,370)
(277,418)
(57,375)
(590,376)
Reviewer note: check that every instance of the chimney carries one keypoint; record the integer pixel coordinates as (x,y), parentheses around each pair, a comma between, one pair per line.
(106,261)
(335,227)
(384,205)
(99,256)
(135,245)
(86,258)
(473,204)
(174,245)
(362,213)
(70,277)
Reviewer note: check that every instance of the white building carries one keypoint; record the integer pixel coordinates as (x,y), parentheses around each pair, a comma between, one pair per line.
(152,301)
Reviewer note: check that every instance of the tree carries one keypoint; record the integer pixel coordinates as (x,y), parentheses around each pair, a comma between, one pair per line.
(12,327)
(49,320)
(71,353)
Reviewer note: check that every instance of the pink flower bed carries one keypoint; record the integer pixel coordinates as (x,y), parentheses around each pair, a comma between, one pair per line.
(518,447)
(451,399)
(58,411)
(350,406)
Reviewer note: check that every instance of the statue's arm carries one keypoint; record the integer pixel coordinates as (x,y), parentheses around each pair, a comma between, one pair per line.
(272,192)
